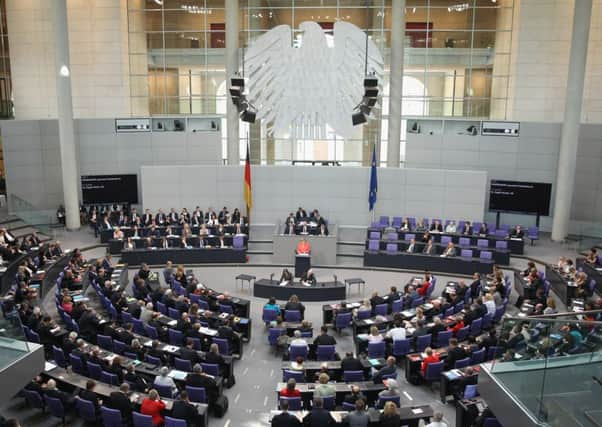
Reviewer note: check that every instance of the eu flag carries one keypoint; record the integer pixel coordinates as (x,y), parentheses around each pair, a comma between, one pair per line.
(373,180)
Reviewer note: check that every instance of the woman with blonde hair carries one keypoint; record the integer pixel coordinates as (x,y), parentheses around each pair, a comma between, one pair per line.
(375,336)
(390,416)
(323,389)
(152,405)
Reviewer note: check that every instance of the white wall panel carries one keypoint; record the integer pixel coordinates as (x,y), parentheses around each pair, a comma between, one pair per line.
(278,190)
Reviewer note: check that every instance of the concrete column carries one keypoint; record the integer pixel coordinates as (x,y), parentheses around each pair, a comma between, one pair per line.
(256,145)
(233,143)
(569,138)
(69,166)
(398,24)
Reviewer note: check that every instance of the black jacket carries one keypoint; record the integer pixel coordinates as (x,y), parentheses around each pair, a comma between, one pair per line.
(120,401)
(351,364)
(284,419)
(184,411)
(319,417)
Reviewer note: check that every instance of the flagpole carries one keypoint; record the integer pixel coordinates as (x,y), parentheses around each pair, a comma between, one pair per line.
(373,210)
(249,157)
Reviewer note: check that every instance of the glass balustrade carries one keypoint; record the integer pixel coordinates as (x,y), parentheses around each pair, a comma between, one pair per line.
(553,368)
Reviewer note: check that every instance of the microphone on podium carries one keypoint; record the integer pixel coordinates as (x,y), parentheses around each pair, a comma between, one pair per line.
(272,277)
(335,278)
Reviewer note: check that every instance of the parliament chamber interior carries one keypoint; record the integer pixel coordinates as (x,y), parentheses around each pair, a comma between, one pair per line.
(249,213)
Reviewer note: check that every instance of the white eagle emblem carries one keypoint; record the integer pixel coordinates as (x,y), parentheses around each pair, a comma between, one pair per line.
(313,85)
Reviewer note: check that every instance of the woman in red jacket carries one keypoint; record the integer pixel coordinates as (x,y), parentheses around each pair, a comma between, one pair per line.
(431,357)
(153,406)
(290,390)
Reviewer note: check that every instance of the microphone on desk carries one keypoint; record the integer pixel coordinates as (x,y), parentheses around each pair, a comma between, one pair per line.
(335,278)
(271,277)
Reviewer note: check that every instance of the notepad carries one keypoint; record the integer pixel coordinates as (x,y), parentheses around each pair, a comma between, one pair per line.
(417,411)
(172,322)
(374,362)
(49,366)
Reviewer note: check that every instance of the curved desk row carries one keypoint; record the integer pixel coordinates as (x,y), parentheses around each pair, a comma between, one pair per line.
(117,245)
(184,256)
(515,245)
(499,256)
(322,291)
(107,234)
(405,261)
(9,272)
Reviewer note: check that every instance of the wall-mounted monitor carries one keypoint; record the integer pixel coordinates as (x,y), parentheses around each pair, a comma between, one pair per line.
(97,189)
(531,198)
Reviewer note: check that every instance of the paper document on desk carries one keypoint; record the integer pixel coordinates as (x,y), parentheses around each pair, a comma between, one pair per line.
(417,411)
(49,366)
(171,348)
(207,331)
(177,375)
(172,322)
(368,321)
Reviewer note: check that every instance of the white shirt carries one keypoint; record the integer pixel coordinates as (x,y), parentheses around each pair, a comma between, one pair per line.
(437,424)
(397,334)
(490,306)
(451,228)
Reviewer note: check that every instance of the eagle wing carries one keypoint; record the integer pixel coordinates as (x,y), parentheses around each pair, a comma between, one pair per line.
(269,61)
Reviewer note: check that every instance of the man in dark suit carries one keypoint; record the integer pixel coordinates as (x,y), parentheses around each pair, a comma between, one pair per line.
(89,395)
(189,353)
(125,334)
(467,229)
(119,400)
(198,379)
(388,369)
(318,416)
(324,338)
(350,363)
(147,218)
(173,217)
(284,419)
(454,353)
(301,215)
(52,391)
(184,410)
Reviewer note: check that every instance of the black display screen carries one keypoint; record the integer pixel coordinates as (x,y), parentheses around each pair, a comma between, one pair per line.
(520,197)
(110,189)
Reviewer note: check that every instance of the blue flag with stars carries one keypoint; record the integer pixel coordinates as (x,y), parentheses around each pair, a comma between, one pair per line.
(373,180)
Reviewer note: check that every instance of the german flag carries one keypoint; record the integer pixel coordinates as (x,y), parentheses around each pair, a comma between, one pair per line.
(248,194)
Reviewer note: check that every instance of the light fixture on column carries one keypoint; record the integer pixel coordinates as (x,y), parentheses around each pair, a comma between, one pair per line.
(64,71)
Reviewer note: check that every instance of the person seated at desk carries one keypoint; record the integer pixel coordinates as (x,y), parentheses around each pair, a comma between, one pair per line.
(483,230)
(420,227)
(118,234)
(304,230)
(324,338)
(454,353)
(147,218)
(436,227)
(221,243)
(182,409)
(197,218)
(324,389)
(298,341)
(397,332)
(286,277)
(489,304)
(374,336)
(106,224)
(89,395)
(376,299)
(391,390)
(431,357)
(390,415)
(160,218)
(153,406)
(449,251)
(290,219)
(289,229)
(318,416)
(355,395)
(358,417)
(592,257)
(271,305)
(323,230)
(52,391)
(294,304)
(466,229)
(411,247)
(389,369)
(423,289)
(284,419)
(350,363)
(301,215)
(405,225)
(437,327)
(437,421)
(451,227)
(136,233)
(429,248)
(169,232)
(290,390)
(308,278)
(457,326)
(517,232)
